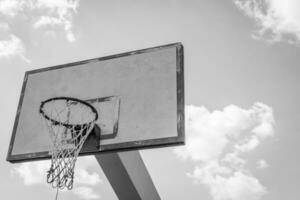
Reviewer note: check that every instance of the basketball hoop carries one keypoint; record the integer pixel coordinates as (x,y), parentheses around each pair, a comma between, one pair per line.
(69,122)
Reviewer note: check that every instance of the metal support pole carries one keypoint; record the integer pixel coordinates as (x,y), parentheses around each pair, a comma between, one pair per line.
(128,175)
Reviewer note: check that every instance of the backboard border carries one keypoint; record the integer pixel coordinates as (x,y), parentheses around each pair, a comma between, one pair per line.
(134,145)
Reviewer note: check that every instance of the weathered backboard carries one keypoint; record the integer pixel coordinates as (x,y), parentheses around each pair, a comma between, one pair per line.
(139,97)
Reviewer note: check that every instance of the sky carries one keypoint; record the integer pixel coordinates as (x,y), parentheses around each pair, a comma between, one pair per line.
(241,90)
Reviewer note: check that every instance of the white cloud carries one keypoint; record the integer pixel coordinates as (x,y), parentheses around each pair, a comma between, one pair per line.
(264,130)
(233,161)
(59,12)
(12,47)
(45,13)
(210,132)
(86,193)
(217,142)
(61,5)
(10,8)
(35,173)
(46,20)
(225,185)
(205,173)
(236,187)
(70,36)
(262,164)
(86,178)
(248,144)
(277,20)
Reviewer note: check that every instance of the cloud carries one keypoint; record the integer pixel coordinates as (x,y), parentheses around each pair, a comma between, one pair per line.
(224,184)
(236,187)
(262,164)
(86,193)
(233,161)
(60,12)
(11,8)
(33,173)
(210,132)
(217,142)
(13,47)
(45,14)
(46,20)
(248,144)
(86,178)
(276,20)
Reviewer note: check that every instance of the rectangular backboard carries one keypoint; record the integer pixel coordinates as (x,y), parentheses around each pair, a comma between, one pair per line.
(139,97)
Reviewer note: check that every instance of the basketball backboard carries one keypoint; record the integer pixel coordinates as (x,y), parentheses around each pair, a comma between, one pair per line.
(138,95)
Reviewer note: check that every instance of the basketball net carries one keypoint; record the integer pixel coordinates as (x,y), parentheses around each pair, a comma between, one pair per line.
(69,122)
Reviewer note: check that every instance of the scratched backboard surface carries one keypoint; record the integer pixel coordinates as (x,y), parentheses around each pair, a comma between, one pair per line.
(139,96)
